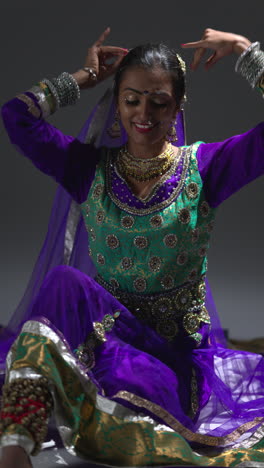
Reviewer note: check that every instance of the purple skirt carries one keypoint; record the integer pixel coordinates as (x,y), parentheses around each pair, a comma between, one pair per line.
(226,398)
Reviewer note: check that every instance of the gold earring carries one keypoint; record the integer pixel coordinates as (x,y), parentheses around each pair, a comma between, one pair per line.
(171,133)
(115,130)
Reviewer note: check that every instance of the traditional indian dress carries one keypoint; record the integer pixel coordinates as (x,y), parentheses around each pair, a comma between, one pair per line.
(123,324)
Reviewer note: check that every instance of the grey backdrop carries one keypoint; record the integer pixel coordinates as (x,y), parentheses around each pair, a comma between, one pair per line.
(44,39)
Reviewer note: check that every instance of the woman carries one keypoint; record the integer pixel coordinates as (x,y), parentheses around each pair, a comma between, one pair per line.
(129,361)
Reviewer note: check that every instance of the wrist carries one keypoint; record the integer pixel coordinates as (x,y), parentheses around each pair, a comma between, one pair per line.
(241,44)
(83,79)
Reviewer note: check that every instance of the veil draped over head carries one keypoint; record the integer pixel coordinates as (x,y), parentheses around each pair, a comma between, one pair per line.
(66,240)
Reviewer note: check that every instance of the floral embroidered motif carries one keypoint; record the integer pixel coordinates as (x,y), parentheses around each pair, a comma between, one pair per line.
(126,263)
(167,282)
(100,259)
(204,315)
(201,291)
(191,323)
(202,251)
(204,209)
(184,216)
(183,299)
(156,221)
(112,241)
(192,190)
(85,351)
(162,306)
(167,329)
(210,227)
(170,240)
(127,222)
(100,216)
(182,258)
(141,242)
(140,284)
(155,263)
(98,190)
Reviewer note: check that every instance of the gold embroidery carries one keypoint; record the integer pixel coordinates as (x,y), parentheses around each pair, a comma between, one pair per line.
(98,190)
(112,241)
(170,240)
(140,284)
(184,153)
(155,264)
(172,422)
(126,263)
(100,259)
(184,216)
(141,242)
(194,394)
(192,190)
(167,282)
(156,221)
(204,209)
(182,258)
(100,216)
(127,222)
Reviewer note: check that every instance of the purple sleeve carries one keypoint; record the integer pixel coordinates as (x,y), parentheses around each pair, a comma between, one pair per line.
(227,166)
(70,162)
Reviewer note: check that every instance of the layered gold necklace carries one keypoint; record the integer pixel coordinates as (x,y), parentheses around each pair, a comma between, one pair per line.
(144,169)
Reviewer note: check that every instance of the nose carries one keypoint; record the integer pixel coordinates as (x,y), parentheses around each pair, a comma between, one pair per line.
(145,111)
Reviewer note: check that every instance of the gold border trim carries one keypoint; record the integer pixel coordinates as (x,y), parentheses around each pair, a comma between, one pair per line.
(182,430)
(116,409)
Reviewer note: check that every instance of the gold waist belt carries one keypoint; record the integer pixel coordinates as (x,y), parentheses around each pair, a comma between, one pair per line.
(178,311)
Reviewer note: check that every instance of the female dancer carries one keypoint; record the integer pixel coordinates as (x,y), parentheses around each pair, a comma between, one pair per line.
(131,361)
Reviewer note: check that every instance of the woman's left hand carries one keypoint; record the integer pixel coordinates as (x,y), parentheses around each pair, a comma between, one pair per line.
(222,43)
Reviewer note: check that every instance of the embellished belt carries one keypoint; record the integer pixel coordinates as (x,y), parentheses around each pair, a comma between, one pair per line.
(180,310)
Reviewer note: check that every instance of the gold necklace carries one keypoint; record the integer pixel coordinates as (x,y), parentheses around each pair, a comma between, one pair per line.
(144,169)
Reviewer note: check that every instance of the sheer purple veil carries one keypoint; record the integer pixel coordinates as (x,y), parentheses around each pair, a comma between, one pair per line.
(66,239)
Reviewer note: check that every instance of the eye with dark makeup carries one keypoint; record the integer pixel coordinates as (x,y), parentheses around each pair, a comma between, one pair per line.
(135,102)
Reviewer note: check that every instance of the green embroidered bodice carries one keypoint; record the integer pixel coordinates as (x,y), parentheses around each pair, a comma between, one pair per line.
(153,249)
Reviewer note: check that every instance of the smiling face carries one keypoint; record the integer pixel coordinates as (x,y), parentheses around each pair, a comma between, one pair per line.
(146,106)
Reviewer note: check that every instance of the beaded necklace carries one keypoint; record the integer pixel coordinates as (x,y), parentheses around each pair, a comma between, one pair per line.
(144,169)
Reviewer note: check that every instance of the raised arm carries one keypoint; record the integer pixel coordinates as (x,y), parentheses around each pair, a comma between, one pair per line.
(227,166)
(65,158)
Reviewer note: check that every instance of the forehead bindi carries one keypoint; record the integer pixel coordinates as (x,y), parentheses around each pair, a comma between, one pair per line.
(145,81)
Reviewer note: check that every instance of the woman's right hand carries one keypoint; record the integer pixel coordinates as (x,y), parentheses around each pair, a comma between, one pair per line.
(103,60)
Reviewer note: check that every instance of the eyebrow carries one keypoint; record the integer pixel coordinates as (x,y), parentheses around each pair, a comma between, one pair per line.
(144,92)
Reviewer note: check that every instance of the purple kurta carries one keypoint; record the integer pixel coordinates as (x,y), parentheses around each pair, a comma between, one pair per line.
(225,167)
(230,382)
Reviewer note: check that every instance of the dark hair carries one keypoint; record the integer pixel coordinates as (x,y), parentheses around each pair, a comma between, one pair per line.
(150,56)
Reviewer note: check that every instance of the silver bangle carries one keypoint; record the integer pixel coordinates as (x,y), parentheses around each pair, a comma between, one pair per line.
(53,90)
(91,72)
(42,100)
(64,88)
(250,64)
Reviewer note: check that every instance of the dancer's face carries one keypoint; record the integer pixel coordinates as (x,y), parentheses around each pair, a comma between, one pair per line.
(146,106)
